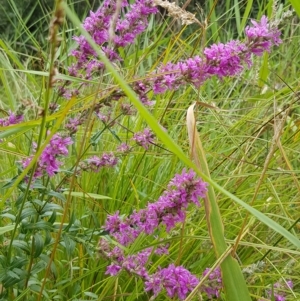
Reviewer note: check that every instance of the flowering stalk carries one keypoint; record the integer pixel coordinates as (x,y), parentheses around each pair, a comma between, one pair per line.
(220,60)
(98,25)
(95,163)
(48,162)
(169,209)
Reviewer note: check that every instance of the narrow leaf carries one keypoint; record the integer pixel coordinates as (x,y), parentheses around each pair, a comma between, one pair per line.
(296,6)
(88,195)
(6,229)
(234,282)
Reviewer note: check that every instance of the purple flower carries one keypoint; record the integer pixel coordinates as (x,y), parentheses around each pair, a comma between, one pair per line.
(13,118)
(123,148)
(140,88)
(73,124)
(168,77)
(262,36)
(48,161)
(113,269)
(177,281)
(213,285)
(95,163)
(194,70)
(134,22)
(161,250)
(169,209)
(279,290)
(104,117)
(227,59)
(113,222)
(99,24)
(136,263)
(144,138)
(219,59)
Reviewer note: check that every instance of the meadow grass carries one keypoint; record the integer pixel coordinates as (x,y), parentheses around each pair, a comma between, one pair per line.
(248,126)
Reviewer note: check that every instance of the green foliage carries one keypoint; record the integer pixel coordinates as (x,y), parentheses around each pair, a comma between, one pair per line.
(249,128)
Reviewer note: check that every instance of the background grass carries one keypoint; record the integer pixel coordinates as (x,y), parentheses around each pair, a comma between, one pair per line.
(237,119)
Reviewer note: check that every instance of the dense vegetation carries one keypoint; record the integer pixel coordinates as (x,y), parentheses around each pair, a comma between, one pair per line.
(149,153)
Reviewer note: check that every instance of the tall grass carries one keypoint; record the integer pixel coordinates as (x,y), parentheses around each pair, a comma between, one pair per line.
(249,130)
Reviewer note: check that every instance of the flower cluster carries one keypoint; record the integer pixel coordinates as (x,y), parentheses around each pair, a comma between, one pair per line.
(262,36)
(278,291)
(213,286)
(123,148)
(183,189)
(144,138)
(219,59)
(95,163)
(12,118)
(169,209)
(176,280)
(109,33)
(49,160)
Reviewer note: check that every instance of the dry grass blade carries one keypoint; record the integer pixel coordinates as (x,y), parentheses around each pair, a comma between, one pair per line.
(234,283)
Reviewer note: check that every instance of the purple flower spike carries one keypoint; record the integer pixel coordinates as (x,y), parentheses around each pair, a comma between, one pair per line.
(12,118)
(99,25)
(48,161)
(144,138)
(262,36)
(95,163)
(213,285)
(177,281)
(226,59)
(169,209)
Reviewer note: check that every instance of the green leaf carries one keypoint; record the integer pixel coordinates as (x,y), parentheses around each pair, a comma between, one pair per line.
(88,195)
(69,245)
(57,195)
(52,218)
(20,244)
(51,207)
(28,212)
(296,6)
(41,225)
(264,71)
(14,130)
(92,295)
(8,215)
(38,267)
(38,243)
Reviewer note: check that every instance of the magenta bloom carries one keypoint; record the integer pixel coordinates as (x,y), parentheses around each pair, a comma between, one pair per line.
(98,24)
(227,59)
(280,290)
(177,281)
(113,269)
(123,148)
(49,159)
(183,189)
(213,285)
(262,36)
(11,119)
(169,209)
(144,138)
(95,163)
(219,59)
